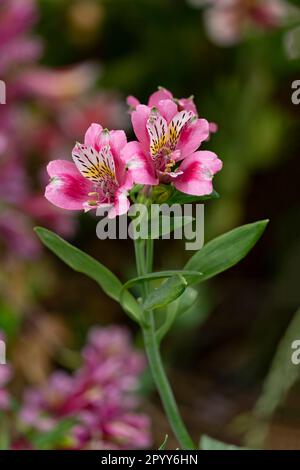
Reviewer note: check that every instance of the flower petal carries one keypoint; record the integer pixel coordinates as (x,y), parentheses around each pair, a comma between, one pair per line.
(192,136)
(132,102)
(167,109)
(198,170)
(157,128)
(139,164)
(93,165)
(139,120)
(121,204)
(93,136)
(67,188)
(117,141)
(157,96)
(188,104)
(176,125)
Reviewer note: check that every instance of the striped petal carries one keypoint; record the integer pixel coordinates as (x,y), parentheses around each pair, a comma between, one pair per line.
(93,165)
(157,128)
(176,126)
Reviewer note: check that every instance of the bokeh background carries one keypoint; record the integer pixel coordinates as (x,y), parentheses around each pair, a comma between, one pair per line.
(67,64)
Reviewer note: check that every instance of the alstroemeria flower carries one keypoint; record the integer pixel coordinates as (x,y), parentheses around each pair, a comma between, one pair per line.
(166,151)
(98,176)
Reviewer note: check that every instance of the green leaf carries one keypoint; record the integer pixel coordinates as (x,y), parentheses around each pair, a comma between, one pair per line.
(182,198)
(283,374)
(84,263)
(180,305)
(208,443)
(153,277)
(163,445)
(186,301)
(225,251)
(160,275)
(166,293)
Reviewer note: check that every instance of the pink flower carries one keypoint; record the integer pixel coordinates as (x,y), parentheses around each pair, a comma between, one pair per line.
(227,21)
(101,396)
(169,135)
(60,84)
(16,18)
(97,178)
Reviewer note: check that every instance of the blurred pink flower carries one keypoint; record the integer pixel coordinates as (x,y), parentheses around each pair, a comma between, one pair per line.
(16,19)
(16,233)
(60,84)
(97,178)
(166,151)
(27,132)
(227,21)
(100,396)
(5,376)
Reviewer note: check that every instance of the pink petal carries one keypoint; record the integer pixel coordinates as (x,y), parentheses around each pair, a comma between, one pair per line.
(198,170)
(139,164)
(210,160)
(93,135)
(213,127)
(139,120)
(157,96)
(121,204)
(188,105)
(117,141)
(192,135)
(67,188)
(127,182)
(132,101)
(168,109)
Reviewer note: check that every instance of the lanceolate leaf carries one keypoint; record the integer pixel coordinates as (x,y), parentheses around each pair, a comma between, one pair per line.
(180,305)
(84,263)
(166,293)
(225,251)
(155,276)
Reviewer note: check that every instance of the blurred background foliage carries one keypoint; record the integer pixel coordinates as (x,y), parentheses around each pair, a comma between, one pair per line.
(220,351)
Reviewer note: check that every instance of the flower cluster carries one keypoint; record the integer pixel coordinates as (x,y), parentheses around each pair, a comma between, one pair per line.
(100,397)
(105,167)
(228,20)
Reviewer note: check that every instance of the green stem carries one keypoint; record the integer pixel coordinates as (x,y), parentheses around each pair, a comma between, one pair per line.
(155,361)
(149,255)
(164,388)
